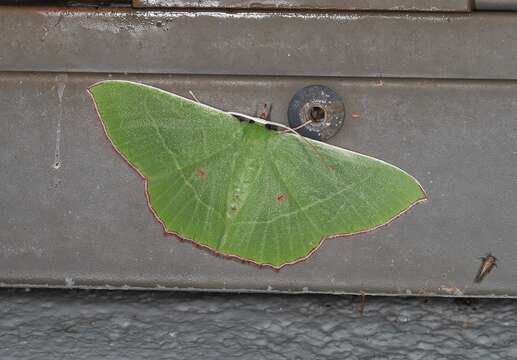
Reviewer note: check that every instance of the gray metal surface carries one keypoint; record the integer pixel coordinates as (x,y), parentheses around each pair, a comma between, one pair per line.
(496,5)
(384,5)
(461,46)
(86,223)
(145,325)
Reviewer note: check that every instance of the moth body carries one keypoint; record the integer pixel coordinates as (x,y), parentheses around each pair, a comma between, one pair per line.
(487,264)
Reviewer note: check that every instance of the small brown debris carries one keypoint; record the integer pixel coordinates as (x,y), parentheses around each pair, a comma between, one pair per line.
(452,290)
(356,115)
(464,324)
(360,308)
(264,111)
(468,302)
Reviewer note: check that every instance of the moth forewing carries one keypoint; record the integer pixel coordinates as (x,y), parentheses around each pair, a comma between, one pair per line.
(487,264)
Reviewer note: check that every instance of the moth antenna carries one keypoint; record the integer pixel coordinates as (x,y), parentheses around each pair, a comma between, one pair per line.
(194,96)
(299,126)
(314,148)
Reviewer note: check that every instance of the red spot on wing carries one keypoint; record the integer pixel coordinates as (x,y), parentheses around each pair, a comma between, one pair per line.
(280,198)
(200,172)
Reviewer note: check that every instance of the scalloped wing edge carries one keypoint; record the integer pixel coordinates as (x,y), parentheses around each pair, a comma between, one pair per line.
(262,121)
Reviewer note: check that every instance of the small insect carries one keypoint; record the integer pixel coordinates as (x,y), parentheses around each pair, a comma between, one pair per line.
(487,264)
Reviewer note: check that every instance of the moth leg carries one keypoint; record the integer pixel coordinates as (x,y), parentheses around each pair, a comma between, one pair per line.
(194,96)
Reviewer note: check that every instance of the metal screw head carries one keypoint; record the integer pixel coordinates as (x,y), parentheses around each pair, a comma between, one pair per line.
(320,105)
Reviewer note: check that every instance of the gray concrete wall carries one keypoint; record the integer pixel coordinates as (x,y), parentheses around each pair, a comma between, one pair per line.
(56,324)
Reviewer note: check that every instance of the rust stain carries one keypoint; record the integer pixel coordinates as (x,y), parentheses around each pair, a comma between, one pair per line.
(280,198)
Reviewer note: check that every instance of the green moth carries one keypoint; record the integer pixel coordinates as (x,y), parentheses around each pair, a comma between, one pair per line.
(241,189)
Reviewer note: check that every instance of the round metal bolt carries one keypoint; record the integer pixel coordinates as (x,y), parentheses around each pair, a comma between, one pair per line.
(322,107)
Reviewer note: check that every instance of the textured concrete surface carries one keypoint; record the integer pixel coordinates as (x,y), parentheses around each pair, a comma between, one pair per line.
(45,324)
